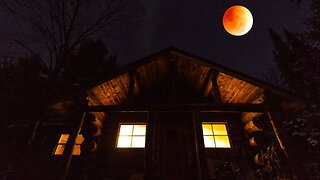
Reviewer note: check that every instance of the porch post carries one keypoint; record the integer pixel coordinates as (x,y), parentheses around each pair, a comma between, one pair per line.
(276,132)
(290,160)
(79,117)
(200,151)
(148,165)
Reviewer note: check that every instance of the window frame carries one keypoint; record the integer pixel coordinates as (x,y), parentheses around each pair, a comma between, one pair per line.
(131,123)
(227,130)
(65,143)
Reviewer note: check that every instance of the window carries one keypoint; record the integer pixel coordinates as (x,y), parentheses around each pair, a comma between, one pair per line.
(63,141)
(215,135)
(132,136)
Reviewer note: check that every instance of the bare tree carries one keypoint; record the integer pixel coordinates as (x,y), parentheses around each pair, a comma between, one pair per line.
(58,27)
(55,29)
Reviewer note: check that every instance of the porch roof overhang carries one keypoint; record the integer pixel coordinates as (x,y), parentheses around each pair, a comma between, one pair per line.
(184,107)
(231,90)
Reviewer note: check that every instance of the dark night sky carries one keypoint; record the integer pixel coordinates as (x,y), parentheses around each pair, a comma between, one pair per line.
(196,27)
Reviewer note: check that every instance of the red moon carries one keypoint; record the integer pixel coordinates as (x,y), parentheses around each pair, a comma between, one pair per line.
(237,20)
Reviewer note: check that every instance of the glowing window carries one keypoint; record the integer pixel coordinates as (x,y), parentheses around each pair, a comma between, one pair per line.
(62,144)
(215,135)
(132,136)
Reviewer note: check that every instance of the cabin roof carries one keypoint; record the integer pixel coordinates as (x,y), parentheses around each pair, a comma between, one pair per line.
(207,77)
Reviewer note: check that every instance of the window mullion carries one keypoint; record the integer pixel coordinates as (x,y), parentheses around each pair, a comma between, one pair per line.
(135,134)
(218,135)
(214,138)
(131,136)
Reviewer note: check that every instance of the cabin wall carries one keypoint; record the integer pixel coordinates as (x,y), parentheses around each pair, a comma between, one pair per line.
(228,163)
(173,140)
(164,84)
(119,163)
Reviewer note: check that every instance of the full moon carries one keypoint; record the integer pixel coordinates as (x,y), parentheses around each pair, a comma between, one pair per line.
(237,20)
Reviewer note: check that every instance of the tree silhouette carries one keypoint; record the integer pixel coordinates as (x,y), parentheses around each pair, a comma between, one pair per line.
(297,62)
(22,89)
(297,59)
(58,27)
(26,92)
(90,61)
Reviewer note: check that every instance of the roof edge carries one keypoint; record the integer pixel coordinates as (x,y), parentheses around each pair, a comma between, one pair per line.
(171,49)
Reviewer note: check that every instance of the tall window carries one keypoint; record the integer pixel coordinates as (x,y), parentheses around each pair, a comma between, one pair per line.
(132,136)
(215,135)
(62,144)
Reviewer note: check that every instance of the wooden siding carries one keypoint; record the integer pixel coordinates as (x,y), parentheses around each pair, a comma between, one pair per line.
(112,92)
(149,73)
(232,90)
(198,76)
(194,73)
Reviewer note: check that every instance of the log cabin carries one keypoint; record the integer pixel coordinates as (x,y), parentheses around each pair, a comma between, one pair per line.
(173,115)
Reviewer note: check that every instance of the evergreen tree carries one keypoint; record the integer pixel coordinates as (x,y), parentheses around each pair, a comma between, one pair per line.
(90,61)
(23,89)
(297,59)
(297,62)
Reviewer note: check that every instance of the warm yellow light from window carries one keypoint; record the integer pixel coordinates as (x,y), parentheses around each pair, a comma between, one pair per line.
(63,138)
(222,141)
(207,129)
(219,129)
(209,141)
(124,141)
(76,150)
(139,130)
(126,130)
(138,142)
(59,150)
(79,139)
(215,135)
(62,144)
(132,136)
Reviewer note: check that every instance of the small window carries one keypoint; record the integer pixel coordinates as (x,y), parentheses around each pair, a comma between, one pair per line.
(63,141)
(215,135)
(131,136)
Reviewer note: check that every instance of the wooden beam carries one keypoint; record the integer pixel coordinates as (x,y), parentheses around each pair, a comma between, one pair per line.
(276,132)
(279,91)
(149,166)
(171,79)
(200,150)
(292,163)
(132,79)
(206,81)
(79,90)
(137,84)
(215,87)
(79,116)
(248,116)
(67,154)
(184,107)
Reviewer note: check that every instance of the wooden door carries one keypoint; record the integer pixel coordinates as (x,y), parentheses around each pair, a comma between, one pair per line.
(174,151)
